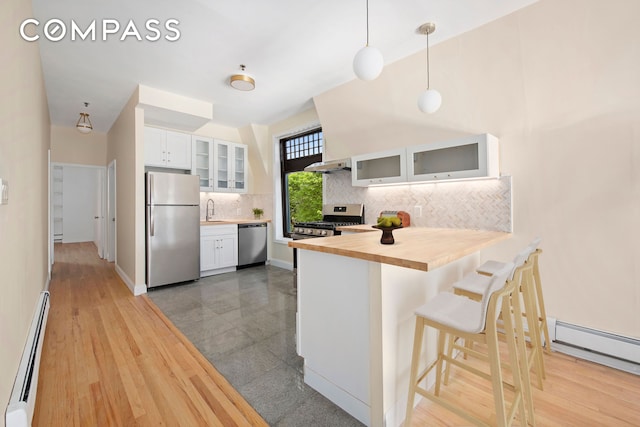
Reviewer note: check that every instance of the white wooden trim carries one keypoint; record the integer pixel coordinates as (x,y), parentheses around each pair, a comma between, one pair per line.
(136,290)
(281,264)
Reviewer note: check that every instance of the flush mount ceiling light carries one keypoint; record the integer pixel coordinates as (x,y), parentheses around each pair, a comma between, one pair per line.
(84,124)
(242,80)
(430,100)
(368,62)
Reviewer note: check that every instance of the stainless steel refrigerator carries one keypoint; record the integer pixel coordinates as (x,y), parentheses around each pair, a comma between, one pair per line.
(173,228)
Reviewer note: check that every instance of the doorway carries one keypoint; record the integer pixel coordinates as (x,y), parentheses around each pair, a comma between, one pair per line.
(78,204)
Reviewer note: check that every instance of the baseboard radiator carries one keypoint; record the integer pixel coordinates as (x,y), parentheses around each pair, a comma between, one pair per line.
(23,396)
(597,346)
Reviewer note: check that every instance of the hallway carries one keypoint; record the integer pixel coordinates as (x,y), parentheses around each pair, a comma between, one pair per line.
(110,358)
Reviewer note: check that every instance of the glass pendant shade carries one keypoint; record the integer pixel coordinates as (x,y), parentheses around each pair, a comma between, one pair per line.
(429,101)
(84,124)
(368,63)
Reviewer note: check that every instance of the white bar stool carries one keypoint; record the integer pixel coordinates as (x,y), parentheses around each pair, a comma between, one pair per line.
(459,316)
(472,284)
(490,267)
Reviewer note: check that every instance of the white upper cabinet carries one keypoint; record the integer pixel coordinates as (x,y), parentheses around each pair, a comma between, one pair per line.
(230,167)
(469,157)
(167,149)
(202,161)
(385,167)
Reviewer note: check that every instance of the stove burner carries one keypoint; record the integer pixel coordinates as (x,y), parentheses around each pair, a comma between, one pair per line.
(334,216)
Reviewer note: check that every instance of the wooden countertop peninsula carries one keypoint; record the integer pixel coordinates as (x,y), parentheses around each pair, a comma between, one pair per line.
(418,248)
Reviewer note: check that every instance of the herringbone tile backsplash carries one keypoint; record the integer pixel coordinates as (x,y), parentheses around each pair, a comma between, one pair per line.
(476,204)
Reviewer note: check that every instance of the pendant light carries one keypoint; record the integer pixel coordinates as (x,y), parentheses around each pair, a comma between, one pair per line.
(242,81)
(368,62)
(84,124)
(430,100)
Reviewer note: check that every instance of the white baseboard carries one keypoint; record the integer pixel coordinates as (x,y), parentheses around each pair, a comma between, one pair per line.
(135,289)
(601,347)
(282,264)
(337,395)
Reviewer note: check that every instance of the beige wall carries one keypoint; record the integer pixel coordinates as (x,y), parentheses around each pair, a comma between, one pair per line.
(559,84)
(70,146)
(218,131)
(260,152)
(24,141)
(125,146)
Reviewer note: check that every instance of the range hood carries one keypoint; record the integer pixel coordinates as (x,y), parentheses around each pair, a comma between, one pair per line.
(329,166)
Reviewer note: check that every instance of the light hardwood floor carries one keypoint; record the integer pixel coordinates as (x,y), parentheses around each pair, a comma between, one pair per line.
(110,358)
(113,359)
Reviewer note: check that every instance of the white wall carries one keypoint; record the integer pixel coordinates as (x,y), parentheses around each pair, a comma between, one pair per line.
(24,142)
(559,84)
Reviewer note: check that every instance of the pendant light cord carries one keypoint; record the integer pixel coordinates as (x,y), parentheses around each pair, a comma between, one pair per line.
(427,61)
(368,23)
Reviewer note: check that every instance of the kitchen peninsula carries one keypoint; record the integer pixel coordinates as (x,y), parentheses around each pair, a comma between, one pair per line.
(355,320)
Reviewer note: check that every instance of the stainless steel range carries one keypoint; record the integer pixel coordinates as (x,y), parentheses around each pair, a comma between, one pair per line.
(333,216)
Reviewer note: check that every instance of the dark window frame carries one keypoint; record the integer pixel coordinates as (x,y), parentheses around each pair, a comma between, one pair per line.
(294,157)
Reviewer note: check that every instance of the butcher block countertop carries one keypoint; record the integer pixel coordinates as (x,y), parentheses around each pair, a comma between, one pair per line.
(233,221)
(419,248)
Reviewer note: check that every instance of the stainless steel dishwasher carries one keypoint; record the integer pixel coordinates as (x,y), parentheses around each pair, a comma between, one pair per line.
(252,244)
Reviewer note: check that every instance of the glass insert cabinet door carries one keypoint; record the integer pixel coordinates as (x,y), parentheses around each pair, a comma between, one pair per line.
(379,168)
(474,156)
(202,162)
(222,166)
(239,167)
(230,167)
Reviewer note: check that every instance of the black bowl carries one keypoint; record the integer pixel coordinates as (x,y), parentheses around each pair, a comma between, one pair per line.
(387,234)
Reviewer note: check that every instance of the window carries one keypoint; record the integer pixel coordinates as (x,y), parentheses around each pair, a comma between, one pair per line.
(301,191)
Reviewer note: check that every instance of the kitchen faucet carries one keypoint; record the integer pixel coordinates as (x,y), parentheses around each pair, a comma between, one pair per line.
(207,216)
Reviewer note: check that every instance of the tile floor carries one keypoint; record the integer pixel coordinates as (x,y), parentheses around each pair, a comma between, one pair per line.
(244,323)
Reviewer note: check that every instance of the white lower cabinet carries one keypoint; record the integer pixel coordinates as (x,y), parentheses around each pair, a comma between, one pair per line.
(218,249)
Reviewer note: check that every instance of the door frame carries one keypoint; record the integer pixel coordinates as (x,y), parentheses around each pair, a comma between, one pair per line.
(111,223)
(50,215)
(103,196)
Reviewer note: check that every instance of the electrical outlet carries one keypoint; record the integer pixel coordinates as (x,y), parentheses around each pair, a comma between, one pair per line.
(417,211)
(4,192)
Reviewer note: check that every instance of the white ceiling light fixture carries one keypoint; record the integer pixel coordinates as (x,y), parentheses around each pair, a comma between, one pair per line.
(368,62)
(242,81)
(430,100)
(84,124)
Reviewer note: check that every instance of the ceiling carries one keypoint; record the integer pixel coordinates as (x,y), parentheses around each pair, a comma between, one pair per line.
(295,49)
